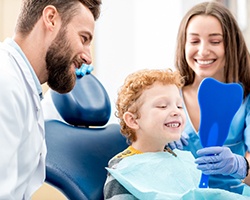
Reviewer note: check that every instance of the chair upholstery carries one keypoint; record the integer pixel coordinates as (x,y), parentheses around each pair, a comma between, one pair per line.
(87,104)
(77,155)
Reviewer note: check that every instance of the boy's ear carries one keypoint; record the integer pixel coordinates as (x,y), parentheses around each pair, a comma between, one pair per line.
(130,120)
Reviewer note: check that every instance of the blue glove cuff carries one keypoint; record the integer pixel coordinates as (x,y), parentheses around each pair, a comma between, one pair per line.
(247,166)
(241,167)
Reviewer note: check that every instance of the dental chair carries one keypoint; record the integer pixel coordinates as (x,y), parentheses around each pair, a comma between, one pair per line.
(80,146)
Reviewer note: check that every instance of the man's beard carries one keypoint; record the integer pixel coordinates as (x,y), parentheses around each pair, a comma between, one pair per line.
(59,61)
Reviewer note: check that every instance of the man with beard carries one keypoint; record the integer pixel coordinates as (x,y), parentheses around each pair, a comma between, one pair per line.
(52,38)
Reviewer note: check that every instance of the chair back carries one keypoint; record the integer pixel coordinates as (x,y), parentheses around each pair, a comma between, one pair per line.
(79,148)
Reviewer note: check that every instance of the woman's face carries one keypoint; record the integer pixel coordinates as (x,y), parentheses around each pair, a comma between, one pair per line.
(204,48)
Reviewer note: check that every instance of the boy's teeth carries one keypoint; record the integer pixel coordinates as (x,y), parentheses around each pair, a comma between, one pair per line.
(173,125)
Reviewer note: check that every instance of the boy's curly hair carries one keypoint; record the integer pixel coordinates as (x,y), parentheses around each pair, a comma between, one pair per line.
(133,87)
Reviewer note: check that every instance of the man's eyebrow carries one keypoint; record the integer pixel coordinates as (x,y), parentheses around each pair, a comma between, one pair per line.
(90,36)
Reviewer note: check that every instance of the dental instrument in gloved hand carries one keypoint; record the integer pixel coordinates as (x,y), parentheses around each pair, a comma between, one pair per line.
(180,143)
(83,70)
(220,160)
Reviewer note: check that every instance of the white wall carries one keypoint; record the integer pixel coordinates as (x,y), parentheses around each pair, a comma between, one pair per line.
(135,34)
(9,10)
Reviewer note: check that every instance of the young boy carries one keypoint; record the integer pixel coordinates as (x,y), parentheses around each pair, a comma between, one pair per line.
(151,115)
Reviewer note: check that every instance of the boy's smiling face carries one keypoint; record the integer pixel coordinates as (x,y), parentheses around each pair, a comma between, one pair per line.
(162,118)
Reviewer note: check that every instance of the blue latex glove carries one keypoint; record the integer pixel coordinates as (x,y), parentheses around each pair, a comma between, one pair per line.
(221,160)
(180,143)
(84,69)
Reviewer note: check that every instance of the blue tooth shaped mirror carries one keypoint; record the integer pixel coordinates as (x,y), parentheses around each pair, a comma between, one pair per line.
(218,104)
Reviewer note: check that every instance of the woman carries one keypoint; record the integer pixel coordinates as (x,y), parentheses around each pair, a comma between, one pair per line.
(210,44)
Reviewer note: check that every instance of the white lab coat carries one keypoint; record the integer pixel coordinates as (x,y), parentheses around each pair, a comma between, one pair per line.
(49,110)
(22,143)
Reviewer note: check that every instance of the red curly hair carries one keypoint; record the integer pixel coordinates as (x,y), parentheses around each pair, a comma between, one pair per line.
(133,88)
